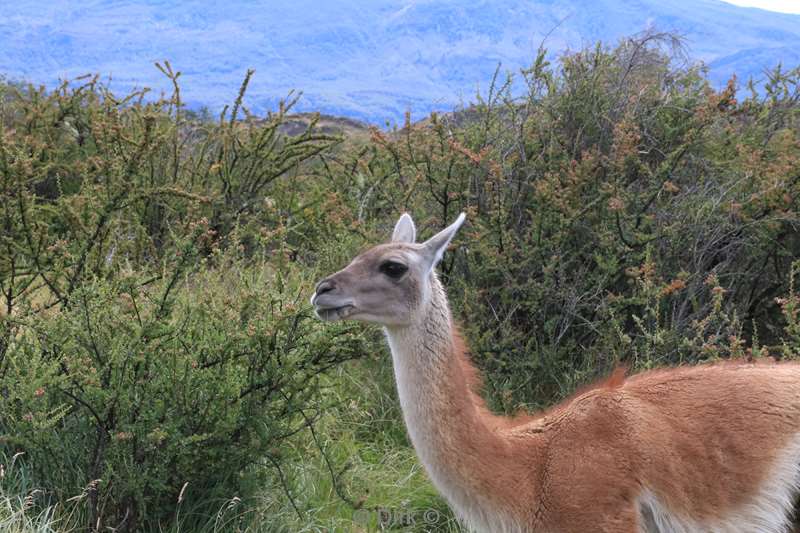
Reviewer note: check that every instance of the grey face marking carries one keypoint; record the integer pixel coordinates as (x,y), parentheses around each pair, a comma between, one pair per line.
(380,285)
(388,283)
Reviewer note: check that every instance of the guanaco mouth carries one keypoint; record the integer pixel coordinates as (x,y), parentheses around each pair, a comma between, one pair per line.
(330,314)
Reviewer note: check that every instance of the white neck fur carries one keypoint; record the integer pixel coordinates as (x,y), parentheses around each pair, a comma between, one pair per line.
(445,427)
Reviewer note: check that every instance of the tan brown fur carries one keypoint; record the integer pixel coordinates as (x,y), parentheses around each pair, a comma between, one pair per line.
(700,437)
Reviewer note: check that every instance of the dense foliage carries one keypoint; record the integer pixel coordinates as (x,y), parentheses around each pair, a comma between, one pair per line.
(156,344)
(159,364)
(611,208)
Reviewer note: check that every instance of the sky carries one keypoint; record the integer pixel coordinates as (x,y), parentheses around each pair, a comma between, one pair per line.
(784,6)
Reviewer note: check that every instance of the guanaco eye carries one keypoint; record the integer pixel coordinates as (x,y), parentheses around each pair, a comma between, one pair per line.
(393,269)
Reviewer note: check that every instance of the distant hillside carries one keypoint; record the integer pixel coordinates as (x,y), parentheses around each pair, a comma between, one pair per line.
(367,60)
(330,125)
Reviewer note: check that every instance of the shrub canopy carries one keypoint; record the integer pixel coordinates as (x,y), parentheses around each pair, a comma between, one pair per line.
(157,351)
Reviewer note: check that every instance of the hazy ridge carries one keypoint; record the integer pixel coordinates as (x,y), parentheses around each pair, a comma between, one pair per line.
(367,60)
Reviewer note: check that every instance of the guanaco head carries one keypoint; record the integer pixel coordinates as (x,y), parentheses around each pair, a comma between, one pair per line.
(386,284)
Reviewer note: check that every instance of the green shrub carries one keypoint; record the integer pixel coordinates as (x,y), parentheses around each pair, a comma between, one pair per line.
(139,388)
(156,345)
(607,201)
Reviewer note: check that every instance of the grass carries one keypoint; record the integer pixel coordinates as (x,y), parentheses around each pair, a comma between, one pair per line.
(22,506)
(378,483)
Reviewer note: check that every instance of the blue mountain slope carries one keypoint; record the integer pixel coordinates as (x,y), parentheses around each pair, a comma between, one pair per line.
(365,59)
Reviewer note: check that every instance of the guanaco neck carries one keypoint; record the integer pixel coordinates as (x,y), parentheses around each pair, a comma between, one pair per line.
(453,434)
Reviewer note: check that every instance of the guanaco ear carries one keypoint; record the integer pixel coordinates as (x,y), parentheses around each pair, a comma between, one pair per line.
(404,230)
(433,248)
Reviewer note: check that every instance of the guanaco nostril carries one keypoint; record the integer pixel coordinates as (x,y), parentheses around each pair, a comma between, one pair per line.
(324,286)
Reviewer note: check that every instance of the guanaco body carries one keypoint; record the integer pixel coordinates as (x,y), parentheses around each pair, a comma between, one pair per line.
(707,448)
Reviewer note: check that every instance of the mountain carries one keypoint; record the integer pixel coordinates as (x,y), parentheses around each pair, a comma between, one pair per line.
(366,59)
